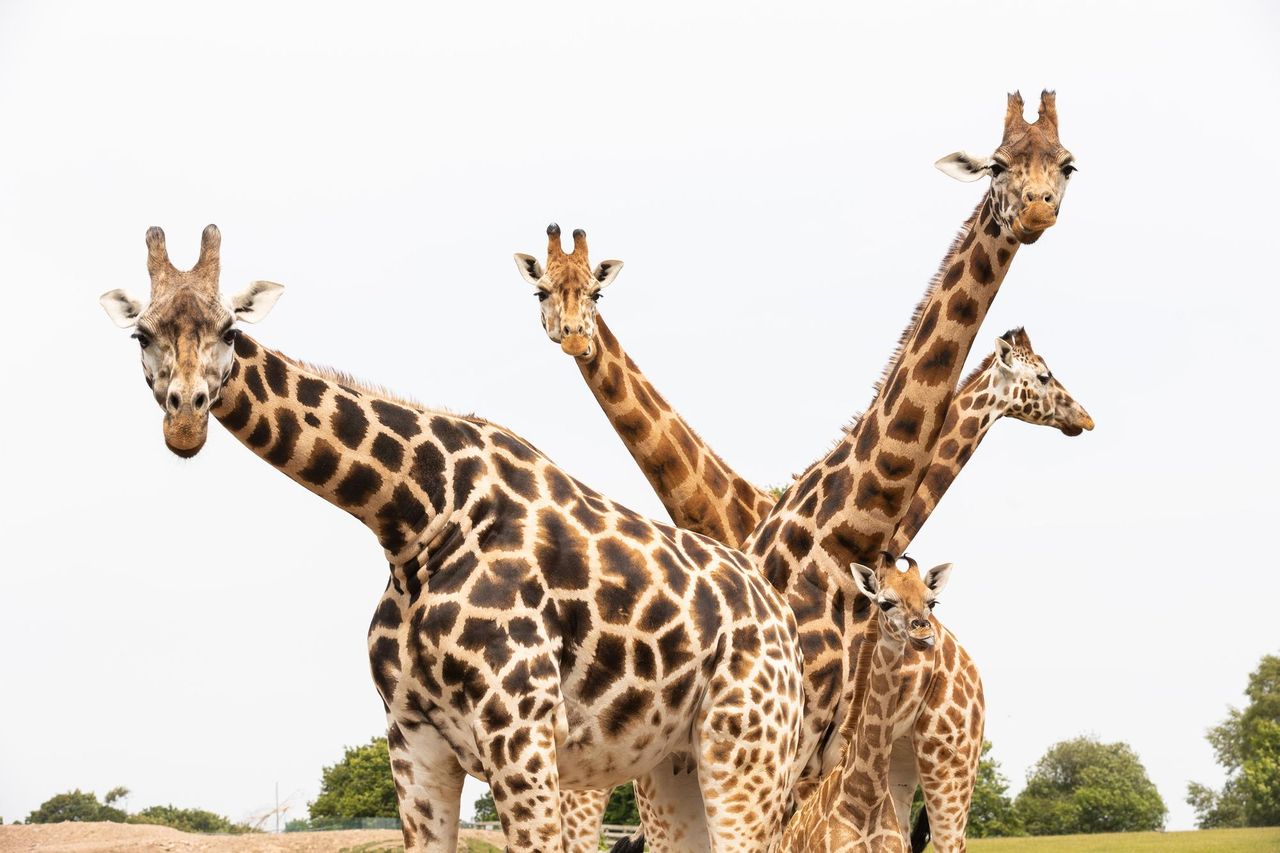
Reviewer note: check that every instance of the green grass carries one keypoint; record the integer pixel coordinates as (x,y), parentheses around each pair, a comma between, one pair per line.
(1203,841)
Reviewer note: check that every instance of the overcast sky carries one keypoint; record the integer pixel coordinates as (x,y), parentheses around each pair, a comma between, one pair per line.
(196,630)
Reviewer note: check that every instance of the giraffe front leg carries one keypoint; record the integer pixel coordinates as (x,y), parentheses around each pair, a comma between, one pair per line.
(428,780)
(582,814)
(520,762)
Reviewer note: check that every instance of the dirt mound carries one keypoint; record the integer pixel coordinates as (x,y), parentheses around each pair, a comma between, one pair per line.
(102,837)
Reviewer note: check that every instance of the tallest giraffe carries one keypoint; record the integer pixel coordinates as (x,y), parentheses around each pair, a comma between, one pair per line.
(845,507)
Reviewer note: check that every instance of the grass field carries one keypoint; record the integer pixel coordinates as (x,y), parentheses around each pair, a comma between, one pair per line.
(1204,841)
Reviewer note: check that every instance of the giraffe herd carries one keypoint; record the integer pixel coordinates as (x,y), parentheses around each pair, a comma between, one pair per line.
(768,671)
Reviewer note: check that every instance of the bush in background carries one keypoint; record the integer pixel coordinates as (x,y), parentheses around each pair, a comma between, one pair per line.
(1085,786)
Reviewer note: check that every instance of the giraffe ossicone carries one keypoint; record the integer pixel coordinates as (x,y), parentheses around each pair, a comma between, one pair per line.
(532,632)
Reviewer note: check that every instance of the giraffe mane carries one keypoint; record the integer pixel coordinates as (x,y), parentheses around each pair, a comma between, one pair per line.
(375,389)
(977,371)
(916,314)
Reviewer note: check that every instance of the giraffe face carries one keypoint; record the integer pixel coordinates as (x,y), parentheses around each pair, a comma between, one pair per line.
(1029,389)
(904,599)
(185,335)
(1029,171)
(568,290)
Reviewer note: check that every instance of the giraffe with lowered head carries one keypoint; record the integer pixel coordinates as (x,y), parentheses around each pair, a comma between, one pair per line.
(848,504)
(851,811)
(532,632)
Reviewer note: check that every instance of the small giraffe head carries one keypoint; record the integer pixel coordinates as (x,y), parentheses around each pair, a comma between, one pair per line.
(185,334)
(1028,172)
(1028,390)
(568,290)
(904,599)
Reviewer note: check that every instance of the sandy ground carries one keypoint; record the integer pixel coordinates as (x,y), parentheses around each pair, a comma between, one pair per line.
(102,837)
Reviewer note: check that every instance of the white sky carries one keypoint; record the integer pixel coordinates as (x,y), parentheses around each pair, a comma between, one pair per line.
(196,630)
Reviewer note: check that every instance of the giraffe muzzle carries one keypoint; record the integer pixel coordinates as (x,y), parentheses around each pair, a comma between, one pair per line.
(575,345)
(1036,218)
(185,432)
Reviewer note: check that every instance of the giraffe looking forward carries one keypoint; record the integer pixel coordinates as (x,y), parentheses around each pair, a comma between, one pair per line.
(532,632)
(852,810)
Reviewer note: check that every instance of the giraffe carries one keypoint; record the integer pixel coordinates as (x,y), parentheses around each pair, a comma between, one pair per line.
(699,491)
(532,632)
(847,505)
(851,809)
(1012,381)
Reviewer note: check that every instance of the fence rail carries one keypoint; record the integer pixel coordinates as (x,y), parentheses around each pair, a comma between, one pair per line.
(609,831)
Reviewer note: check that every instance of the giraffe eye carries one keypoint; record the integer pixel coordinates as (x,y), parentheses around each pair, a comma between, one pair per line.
(229,336)
(542,295)
(597,296)
(142,339)
(932,604)
(1044,378)
(886,606)
(1067,170)
(998,169)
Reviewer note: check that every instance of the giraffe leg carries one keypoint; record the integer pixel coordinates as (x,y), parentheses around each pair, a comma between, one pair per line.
(525,781)
(745,775)
(428,782)
(582,813)
(670,803)
(904,777)
(948,737)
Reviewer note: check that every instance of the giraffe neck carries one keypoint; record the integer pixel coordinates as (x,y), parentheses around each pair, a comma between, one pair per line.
(868,735)
(699,491)
(976,406)
(846,506)
(379,460)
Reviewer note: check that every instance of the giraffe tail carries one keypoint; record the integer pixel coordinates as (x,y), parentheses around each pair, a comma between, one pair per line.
(634,844)
(920,832)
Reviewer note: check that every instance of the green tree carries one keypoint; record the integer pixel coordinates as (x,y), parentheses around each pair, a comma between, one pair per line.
(119,792)
(359,785)
(1247,745)
(622,806)
(187,820)
(1083,786)
(485,809)
(74,805)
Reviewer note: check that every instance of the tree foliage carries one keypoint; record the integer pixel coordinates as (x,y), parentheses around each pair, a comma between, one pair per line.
(359,785)
(75,805)
(485,809)
(1085,786)
(1247,745)
(622,806)
(188,820)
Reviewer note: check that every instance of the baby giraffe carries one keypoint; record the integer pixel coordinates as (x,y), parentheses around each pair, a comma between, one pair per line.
(851,810)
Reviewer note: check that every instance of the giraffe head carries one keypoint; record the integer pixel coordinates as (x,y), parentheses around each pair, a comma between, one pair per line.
(1028,172)
(185,334)
(1028,391)
(903,597)
(568,290)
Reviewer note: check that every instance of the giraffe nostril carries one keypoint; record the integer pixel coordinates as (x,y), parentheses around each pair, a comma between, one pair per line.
(199,400)
(174,402)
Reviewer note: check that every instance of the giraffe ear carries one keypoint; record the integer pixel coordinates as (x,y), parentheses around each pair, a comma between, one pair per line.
(606,272)
(122,308)
(936,578)
(867,582)
(965,167)
(1004,351)
(255,301)
(529,268)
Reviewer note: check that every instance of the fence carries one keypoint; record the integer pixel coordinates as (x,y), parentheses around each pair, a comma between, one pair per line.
(609,832)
